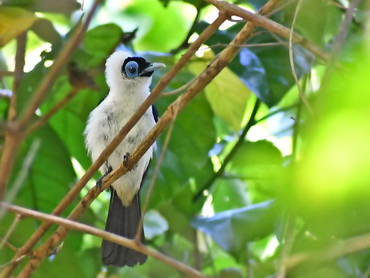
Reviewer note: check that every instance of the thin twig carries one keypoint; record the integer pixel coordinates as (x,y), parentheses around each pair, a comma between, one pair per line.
(348,246)
(220,171)
(27,162)
(291,59)
(339,41)
(155,175)
(268,24)
(41,121)
(180,89)
(10,231)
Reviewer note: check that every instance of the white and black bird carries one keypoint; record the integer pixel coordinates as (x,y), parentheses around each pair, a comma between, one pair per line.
(128,79)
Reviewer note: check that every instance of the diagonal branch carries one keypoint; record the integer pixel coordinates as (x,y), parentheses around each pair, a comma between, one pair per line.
(270,25)
(102,234)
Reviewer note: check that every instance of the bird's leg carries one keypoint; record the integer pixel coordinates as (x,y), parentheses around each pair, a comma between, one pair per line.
(100,180)
(126,158)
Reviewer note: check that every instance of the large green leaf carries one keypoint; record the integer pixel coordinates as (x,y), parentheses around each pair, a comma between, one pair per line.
(101,41)
(51,174)
(70,121)
(232,229)
(226,93)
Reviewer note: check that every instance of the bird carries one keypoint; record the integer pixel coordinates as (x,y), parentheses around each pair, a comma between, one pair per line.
(129,78)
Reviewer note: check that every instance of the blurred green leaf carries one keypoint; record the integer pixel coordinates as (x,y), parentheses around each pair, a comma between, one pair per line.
(259,159)
(14,21)
(232,229)
(229,194)
(48,6)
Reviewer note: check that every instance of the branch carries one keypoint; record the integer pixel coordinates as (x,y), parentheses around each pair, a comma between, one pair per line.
(18,73)
(270,25)
(74,192)
(348,246)
(41,121)
(219,173)
(68,224)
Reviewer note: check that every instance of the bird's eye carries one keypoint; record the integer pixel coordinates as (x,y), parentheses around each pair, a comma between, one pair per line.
(132,69)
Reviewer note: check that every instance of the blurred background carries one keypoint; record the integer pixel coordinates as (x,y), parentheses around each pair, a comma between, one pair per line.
(239,194)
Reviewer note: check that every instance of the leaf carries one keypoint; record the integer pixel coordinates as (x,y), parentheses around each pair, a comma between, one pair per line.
(48,6)
(266,71)
(259,159)
(232,229)
(229,194)
(70,121)
(155,224)
(227,95)
(14,21)
(102,40)
(50,175)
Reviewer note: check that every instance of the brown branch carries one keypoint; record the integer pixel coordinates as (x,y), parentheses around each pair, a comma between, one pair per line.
(270,25)
(111,147)
(4,240)
(68,224)
(18,73)
(291,59)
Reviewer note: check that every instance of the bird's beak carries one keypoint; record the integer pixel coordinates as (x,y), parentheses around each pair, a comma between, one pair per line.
(152,67)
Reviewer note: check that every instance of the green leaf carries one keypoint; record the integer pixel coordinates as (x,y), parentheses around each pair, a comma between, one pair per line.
(50,175)
(229,194)
(232,229)
(259,159)
(70,121)
(227,94)
(14,21)
(102,40)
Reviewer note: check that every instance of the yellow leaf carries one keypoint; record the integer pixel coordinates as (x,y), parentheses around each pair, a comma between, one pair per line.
(227,94)
(13,22)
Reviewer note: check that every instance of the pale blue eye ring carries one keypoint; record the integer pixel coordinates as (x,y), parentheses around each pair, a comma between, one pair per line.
(132,69)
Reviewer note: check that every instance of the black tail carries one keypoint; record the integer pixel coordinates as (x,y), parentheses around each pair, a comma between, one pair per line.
(122,221)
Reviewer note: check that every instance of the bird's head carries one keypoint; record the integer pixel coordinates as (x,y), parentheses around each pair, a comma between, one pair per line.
(126,70)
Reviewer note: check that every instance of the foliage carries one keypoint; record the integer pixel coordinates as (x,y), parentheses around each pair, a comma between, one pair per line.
(297,183)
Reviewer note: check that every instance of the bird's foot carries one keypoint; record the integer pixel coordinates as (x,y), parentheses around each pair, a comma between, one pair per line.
(99,182)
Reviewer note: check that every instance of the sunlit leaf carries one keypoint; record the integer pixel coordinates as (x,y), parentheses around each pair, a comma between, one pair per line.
(14,21)
(226,94)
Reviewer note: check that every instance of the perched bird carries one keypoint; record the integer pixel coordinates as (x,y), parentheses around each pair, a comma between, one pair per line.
(128,79)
